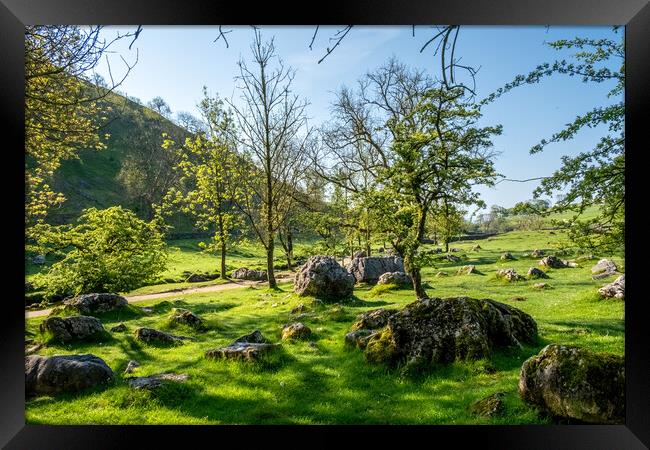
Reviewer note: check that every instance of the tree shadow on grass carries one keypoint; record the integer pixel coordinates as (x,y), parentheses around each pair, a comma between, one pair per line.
(611,327)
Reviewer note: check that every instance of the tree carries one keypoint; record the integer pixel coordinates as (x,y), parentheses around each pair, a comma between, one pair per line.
(447,221)
(159,105)
(272,134)
(210,187)
(594,177)
(110,250)
(190,123)
(421,141)
(63,110)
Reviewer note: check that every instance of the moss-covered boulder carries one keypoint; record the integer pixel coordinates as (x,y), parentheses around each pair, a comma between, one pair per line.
(535,273)
(50,375)
(250,347)
(295,330)
(75,328)
(489,406)
(90,304)
(154,337)
(436,330)
(376,318)
(573,383)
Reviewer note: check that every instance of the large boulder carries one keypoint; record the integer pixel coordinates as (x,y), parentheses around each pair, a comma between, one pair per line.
(245,273)
(250,347)
(573,383)
(322,276)
(614,289)
(76,328)
(603,269)
(436,330)
(48,375)
(89,304)
(376,318)
(397,278)
(369,269)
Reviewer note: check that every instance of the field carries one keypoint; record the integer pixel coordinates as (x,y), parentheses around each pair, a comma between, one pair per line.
(325,382)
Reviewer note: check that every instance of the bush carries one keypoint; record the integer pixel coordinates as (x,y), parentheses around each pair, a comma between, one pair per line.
(111,250)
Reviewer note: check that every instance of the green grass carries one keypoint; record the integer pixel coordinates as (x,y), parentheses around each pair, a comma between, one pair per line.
(331,383)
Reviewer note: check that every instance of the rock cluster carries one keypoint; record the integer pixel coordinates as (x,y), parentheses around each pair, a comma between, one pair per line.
(615,289)
(323,277)
(245,273)
(573,383)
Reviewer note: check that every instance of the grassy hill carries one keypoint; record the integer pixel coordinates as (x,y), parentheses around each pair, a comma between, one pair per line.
(92,180)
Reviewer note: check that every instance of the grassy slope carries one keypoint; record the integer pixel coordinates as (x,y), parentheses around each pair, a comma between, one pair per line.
(331,383)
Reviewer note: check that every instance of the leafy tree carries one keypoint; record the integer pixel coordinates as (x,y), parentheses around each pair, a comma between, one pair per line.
(63,110)
(109,250)
(272,136)
(594,177)
(447,221)
(209,184)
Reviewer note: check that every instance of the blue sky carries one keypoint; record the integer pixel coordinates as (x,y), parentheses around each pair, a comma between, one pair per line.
(175,62)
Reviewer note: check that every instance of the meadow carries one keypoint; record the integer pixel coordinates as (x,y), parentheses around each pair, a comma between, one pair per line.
(323,381)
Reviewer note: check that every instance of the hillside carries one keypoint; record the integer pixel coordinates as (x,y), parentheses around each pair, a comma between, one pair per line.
(92,180)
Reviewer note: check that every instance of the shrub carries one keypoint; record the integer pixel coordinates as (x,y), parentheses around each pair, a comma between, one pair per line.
(110,250)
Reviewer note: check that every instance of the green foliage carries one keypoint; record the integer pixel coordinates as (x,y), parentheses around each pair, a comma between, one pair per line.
(110,250)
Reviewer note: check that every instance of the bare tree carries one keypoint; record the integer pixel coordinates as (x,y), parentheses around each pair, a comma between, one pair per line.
(272,134)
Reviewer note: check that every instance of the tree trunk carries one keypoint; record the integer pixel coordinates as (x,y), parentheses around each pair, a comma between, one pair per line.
(269,265)
(289,249)
(447,246)
(223,259)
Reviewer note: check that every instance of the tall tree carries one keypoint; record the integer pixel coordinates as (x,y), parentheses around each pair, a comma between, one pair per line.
(272,134)
(209,185)
(594,177)
(63,109)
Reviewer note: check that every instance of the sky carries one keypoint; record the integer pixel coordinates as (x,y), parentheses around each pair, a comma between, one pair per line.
(175,62)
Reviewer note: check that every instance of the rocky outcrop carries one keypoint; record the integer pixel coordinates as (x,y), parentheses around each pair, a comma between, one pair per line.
(245,273)
(573,383)
(396,278)
(436,330)
(76,328)
(295,330)
(615,289)
(509,275)
(603,269)
(323,277)
(89,304)
(49,375)
(369,269)
(250,347)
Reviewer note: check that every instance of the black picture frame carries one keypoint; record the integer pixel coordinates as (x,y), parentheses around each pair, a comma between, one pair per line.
(634,14)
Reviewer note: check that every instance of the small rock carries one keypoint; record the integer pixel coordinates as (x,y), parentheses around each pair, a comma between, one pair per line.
(131,366)
(396,278)
(359,338)
(489,406)
(245,273)
(452,258)
(507,256)
(517,299)
(509,274)
(534,273)
(154,337)
(299,309)
(181,316)
(553,262)
(118,328)
(295,331)
(466,270)
(537,253)
(455,249)
(541,286)
(146,310)
(476,248)
(38,259)
(155,381)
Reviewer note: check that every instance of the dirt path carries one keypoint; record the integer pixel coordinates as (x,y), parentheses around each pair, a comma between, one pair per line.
(177,292)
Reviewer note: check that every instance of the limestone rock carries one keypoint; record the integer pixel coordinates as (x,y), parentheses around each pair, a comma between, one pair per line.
(436,330)
(541,286)
(397,278)
(509,274)
(75,328)
(369,269)
(452,258)
(247,274)
(89,304)
(614,289)
(489,406)
(296,331)
(603,269)
(181,316)
(553,262)
(131,366)
(507,256)
(359,338)
(157,337)
(323,277)
(48,375)
(376,318)
(467,270)
(301,308)
(155,381)
(118,328)
(573,383)
(250,347)
(476,248)
(537,253)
